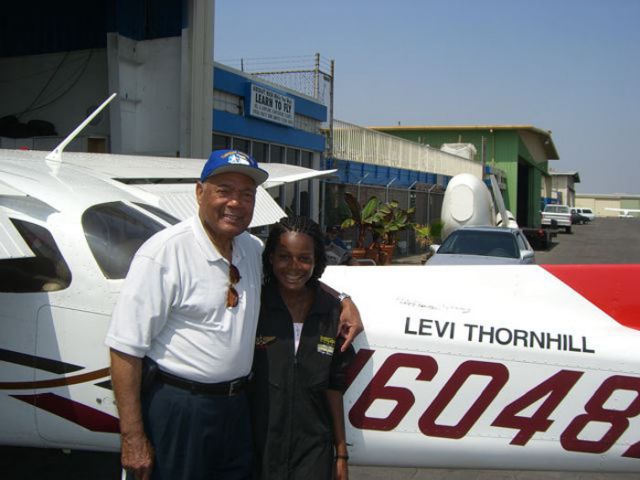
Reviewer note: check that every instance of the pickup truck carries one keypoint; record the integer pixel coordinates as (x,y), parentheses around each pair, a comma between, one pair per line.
(556,216)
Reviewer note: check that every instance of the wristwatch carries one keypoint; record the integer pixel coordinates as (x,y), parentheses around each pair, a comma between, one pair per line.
(343,296)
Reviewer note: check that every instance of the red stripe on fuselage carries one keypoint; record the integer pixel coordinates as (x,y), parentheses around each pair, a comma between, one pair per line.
(611,288)
(83,415)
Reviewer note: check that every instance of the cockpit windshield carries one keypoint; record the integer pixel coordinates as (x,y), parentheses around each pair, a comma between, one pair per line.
(114,232)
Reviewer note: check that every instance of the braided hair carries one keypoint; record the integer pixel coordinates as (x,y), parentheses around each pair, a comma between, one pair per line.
(295,224)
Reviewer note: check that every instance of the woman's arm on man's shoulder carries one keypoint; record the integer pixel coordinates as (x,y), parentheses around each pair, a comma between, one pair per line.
(350,324)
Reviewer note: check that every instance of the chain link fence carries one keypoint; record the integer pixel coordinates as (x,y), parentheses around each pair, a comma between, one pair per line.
(310,75)
(425,198)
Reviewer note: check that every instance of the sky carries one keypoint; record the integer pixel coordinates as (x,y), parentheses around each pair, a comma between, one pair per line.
(568,66)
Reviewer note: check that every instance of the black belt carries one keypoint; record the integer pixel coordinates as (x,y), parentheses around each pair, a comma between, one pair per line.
(224,388)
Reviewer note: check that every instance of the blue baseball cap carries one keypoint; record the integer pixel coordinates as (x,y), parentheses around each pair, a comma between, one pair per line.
(223,161)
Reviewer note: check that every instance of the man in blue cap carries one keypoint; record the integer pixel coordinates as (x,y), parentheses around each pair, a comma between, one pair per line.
(183,331)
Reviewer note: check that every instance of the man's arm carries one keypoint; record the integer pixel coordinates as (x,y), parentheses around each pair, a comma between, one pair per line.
(136,451)
(350,324)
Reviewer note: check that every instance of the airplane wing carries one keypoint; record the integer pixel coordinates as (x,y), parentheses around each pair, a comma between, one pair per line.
(180,201)
(624,212)
(173,180)
(137,168)
(281,173)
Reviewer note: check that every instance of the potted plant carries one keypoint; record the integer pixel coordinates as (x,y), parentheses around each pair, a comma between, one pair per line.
(426,235)
(389,220)
(362,218)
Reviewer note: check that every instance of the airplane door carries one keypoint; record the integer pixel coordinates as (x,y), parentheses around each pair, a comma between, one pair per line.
(75,405)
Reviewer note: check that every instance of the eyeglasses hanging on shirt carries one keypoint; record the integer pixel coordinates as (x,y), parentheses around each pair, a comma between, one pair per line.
(232,293)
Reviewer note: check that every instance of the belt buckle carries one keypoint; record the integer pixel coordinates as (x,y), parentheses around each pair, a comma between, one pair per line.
(232,386)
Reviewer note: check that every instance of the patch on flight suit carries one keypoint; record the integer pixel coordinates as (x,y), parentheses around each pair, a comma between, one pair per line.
(326,345)
(264,342)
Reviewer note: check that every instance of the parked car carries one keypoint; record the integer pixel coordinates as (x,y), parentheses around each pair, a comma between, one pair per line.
(587,212)
(484,245)
(577,218)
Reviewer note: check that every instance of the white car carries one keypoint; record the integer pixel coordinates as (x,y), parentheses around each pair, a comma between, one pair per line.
(484,246)
(586,212)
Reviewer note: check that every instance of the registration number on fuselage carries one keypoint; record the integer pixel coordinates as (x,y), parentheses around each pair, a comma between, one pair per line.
(526,414)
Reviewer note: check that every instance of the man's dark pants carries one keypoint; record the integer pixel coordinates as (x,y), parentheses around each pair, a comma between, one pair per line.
(197,435)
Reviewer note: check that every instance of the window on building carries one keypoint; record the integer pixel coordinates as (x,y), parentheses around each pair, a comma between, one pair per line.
(220,142)
(240,144)
(304,198)
(260,152)
(226,102)
(277,154)
(290,196)
(306,159)
(293,156)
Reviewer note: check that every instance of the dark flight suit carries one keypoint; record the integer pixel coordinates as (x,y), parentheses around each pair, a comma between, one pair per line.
(291,418)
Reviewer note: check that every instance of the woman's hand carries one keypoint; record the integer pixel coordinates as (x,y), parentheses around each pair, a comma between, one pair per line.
(350,322)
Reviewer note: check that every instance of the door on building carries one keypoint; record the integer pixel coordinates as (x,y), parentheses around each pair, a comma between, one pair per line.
(524,194)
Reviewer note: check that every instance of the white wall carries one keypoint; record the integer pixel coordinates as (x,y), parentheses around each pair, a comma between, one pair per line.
(146,75)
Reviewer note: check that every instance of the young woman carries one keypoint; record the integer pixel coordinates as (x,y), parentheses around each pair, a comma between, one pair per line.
(299,370)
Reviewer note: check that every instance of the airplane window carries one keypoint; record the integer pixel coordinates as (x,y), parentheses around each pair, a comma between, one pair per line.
(158,212)
(114,232)
(46,272)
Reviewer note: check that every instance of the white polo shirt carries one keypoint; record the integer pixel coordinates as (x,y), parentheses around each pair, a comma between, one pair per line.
(172,307)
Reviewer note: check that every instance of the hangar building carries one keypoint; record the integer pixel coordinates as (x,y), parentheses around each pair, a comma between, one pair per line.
(522,152)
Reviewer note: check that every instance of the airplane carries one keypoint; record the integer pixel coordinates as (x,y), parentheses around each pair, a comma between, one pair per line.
(508,367)
(624,212)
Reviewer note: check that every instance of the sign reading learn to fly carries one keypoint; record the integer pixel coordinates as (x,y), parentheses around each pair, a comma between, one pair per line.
(272,106)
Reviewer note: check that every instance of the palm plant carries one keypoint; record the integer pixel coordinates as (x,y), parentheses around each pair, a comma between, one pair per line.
(362,217)
(391,219)
(427,234)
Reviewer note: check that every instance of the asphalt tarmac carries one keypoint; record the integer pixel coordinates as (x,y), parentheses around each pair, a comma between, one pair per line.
(606,240)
